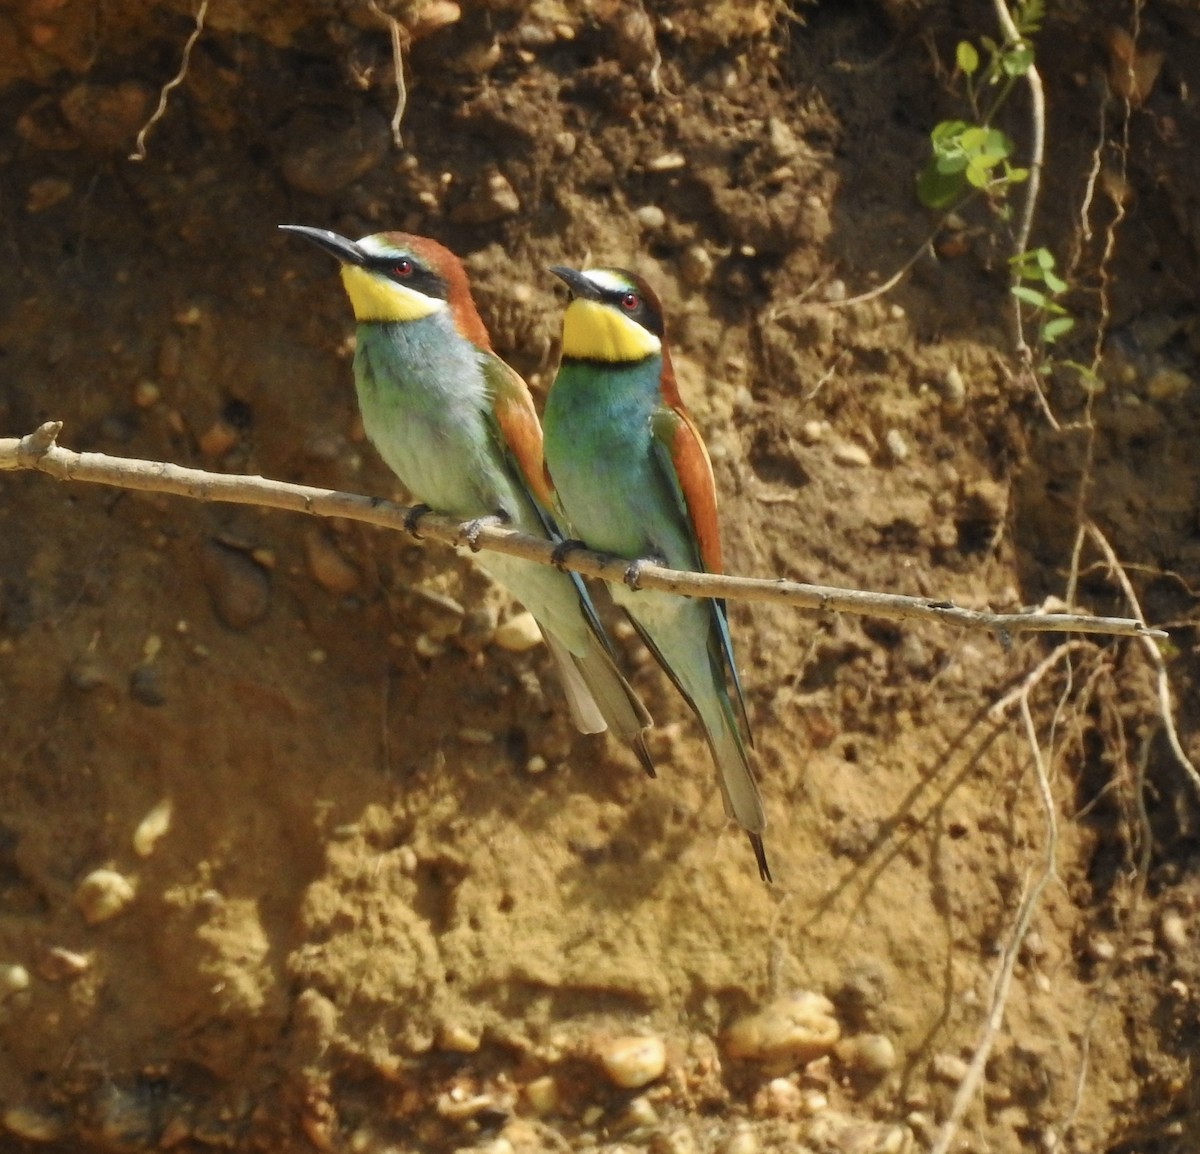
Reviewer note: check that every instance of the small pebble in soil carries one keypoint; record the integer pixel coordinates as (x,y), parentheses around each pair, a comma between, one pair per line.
(34,1124)
(651,217)
(218,439)
(779,1098)
(519,633)
(834,1131)
(326,565)
(152,828)
(639,1114)
(59,964)
(14,978)
(800,1028)
(493,200)
(146,685)
(631,1062)
(679,1139)
(666,162)
(45,193)
(872,1055)
(953,390)
(88,672)
(146,394)
(425,646)
(102,895)
(458,1038)
(1100,949)
(238,587)
(1173,931)
(542,1096)
(741,1141)
(848,453)
(695,265)
(897,446)
(948,1068)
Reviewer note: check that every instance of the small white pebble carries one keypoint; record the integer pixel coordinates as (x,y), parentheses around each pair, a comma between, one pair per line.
(103,894)
(953,390)
(948,1068)
(632,1062)
(813,431)
(779,1098)
(848,453)
(519,633)
(666,162)
(1173,931)
(897,446)
(1100,949)
(13,979)
(151,829)
(536,764)
(651,217)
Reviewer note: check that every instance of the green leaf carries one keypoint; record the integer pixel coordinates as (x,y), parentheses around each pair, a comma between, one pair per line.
(949,163)
(947,130)
(1029,295)
(1054,282)
(966,58)
(1017,61)
(1044,258)
(937,189)
(1016,175)
(1056,328)
(978,173)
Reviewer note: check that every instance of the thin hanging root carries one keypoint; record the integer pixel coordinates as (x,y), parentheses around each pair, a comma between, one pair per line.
(400,41)
(139,152)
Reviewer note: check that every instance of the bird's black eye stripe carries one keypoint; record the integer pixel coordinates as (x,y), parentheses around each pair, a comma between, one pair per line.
(411,273)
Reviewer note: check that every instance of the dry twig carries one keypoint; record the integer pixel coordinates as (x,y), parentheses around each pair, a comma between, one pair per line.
(39,451)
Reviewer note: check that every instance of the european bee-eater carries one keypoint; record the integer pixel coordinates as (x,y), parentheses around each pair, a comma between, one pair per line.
(458,427)
(632,477)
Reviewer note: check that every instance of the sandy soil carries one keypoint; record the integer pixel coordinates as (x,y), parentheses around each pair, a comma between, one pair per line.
(399,904)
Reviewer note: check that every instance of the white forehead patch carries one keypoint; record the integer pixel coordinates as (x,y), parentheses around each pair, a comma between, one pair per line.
(374,246)
(606,280)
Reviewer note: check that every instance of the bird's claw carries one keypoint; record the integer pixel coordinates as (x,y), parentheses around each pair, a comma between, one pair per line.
(471,530)
(563,550)
(413,518)
(633,572)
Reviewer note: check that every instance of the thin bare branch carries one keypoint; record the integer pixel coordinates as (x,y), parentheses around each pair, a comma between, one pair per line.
(39,451)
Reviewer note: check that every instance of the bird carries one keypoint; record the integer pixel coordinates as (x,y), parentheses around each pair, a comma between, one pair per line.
(458,427)
(632,478)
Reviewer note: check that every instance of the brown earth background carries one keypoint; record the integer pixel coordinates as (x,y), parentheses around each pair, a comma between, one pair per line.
(399,904)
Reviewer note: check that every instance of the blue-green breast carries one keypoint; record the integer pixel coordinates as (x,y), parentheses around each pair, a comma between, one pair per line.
(425,407)
(601,456)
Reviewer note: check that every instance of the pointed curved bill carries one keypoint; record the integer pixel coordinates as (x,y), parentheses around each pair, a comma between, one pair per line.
(580,285)
(345,250)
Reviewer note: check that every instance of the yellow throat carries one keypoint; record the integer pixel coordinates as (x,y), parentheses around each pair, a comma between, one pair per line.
(375,298)
(593,331)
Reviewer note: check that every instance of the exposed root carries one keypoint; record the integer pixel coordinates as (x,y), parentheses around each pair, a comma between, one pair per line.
(400,41)
(139,152)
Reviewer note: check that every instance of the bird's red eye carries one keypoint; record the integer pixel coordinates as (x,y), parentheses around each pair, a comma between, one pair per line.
(403,267)
(630,302)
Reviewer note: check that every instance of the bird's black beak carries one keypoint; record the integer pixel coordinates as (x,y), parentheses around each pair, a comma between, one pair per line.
(579,285)
(345,250)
